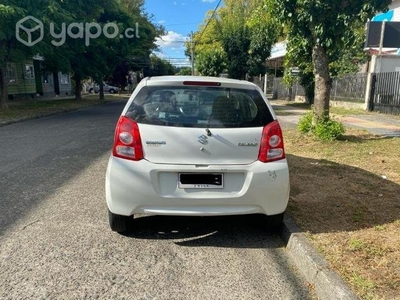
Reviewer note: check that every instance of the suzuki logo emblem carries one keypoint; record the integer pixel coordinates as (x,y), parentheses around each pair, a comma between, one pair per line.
(203,139)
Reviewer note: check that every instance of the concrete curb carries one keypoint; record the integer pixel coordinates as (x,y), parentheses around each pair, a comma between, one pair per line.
(313,266)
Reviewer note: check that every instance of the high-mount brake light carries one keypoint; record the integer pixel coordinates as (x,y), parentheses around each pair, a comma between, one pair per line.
(127,141)
(271,148)
(202,83)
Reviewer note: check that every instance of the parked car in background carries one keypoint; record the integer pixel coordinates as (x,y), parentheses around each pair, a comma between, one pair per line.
(197,146)
(107,88)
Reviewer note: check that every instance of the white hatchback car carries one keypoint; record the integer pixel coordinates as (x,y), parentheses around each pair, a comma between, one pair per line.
(197,146)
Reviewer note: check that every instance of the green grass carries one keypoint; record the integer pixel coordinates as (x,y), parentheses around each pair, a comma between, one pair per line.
(364,284)
(342,111)
(356,245)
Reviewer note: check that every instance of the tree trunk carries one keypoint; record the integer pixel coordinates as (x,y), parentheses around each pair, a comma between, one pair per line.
(322,83)
(101,91)
(78,87)
(3,88)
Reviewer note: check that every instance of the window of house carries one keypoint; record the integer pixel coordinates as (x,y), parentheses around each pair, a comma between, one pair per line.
(29,72)
(11,74)
(65,79)
(47,77)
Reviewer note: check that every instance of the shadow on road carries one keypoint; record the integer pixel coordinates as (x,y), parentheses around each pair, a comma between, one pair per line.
(227,232)
(328,197)
(39,156)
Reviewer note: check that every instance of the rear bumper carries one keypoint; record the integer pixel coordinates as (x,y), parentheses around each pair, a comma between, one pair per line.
(147,188)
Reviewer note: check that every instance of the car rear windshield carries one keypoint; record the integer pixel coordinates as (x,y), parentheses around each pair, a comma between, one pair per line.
(204,107)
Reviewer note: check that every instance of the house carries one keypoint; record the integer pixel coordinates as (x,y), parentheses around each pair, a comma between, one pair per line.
(51,83)
(27,80)
(277,58)
(20,77)
(392,15)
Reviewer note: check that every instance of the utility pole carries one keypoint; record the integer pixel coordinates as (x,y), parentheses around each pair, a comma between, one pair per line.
(192,52)
(382,37)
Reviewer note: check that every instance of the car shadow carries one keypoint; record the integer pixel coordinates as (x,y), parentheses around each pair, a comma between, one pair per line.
(328,197)
(226,231)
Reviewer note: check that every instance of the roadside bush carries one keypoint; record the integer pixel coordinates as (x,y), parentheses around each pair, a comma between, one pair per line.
(305,123)
(326,130)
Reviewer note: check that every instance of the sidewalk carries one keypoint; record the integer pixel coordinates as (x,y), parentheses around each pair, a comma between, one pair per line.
(377,124)
(374,123)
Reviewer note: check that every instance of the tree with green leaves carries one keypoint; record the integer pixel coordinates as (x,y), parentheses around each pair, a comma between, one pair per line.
(9,15)
(93,58)
(247,32)
(322,29)
(211,62)
(348,60)
(184,71)
(96,58)
(243,31)
(11,12)
(160,67)
(205,40)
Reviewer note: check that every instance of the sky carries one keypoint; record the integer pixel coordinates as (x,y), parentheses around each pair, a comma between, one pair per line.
(179,18)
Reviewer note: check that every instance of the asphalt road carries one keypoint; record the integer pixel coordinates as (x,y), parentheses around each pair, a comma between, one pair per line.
(55,242)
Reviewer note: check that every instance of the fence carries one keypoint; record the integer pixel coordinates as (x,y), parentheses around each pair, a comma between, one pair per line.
(281,91)
(349,88)
(260,81)
(385,93)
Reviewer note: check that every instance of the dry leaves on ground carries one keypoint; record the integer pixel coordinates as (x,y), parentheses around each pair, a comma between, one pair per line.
(346,195)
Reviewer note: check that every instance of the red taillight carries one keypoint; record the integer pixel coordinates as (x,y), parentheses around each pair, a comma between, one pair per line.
(127,142)
(271,148)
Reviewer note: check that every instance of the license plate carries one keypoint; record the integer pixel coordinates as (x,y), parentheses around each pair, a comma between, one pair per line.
(201,181)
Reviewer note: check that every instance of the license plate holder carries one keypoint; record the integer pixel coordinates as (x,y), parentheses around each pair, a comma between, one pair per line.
(201,181)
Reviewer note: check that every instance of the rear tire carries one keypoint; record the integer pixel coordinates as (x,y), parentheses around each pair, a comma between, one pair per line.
(273,223)
(119,223)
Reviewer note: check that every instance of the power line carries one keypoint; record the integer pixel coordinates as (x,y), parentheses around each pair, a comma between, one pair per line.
(215,10)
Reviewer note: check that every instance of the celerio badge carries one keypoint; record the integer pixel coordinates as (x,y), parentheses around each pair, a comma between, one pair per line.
(155,143)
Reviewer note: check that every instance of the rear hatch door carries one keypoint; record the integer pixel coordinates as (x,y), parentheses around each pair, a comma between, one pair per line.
(200,146)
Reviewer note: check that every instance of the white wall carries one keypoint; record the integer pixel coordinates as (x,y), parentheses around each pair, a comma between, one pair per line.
(395,4)
(387,63)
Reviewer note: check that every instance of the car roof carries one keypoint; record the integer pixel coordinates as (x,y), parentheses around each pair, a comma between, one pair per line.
(178,81)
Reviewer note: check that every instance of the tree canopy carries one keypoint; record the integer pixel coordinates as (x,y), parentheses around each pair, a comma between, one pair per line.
(323,31)
(10,48)
(159,67)
(86,38)
(211,62)
(238,35)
